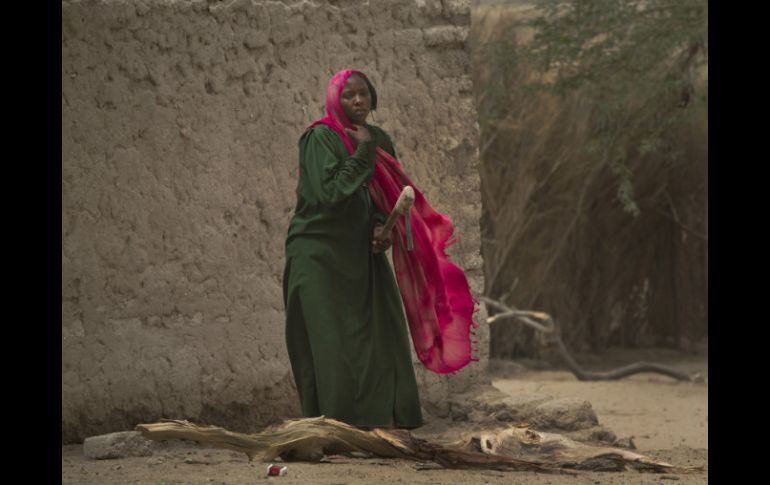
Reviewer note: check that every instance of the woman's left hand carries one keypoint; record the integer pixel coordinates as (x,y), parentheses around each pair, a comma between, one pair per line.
(380,242)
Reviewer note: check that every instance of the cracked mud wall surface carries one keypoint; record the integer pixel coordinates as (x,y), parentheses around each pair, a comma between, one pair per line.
(180,122)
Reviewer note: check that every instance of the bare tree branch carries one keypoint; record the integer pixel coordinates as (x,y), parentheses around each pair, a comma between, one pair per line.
(509,449)
(553,336)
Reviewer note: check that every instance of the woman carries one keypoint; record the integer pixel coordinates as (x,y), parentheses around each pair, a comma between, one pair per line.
(345,328)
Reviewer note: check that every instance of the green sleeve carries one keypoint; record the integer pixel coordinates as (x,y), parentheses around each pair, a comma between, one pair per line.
(330,178)
(386,143)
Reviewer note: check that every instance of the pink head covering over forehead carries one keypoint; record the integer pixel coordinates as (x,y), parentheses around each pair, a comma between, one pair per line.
(335,117)
(437,299)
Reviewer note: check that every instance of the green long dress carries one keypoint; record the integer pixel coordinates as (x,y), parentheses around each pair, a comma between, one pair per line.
(345,328)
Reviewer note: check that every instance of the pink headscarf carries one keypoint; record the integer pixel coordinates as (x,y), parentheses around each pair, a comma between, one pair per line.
(439,306)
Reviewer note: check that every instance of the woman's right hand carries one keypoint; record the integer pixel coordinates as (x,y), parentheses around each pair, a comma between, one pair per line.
(360,135)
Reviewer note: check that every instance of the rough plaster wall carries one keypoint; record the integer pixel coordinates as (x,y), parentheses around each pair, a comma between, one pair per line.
(180,122)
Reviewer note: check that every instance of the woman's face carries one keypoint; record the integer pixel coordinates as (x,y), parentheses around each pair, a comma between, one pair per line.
(356,99)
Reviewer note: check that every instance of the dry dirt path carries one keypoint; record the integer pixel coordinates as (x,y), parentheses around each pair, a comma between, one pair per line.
(668,420)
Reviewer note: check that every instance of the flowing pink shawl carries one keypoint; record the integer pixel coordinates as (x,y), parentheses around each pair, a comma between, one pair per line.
(438,302)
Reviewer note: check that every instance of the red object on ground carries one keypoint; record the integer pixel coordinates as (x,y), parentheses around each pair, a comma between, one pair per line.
(276,470)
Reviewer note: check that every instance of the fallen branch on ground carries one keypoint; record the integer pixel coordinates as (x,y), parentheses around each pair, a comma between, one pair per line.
(507,449)
(553,337)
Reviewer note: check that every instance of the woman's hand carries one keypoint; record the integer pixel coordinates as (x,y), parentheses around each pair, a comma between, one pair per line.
(381,241)
(360,134)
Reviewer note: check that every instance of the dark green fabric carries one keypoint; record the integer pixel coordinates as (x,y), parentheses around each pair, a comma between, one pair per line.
(345,327)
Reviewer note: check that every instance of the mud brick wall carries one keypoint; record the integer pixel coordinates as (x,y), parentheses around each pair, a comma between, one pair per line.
(180,122)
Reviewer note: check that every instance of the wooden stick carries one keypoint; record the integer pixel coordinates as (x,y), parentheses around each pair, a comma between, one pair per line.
(403,204)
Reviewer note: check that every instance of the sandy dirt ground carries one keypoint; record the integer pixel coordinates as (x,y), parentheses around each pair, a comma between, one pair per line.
(668,420)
